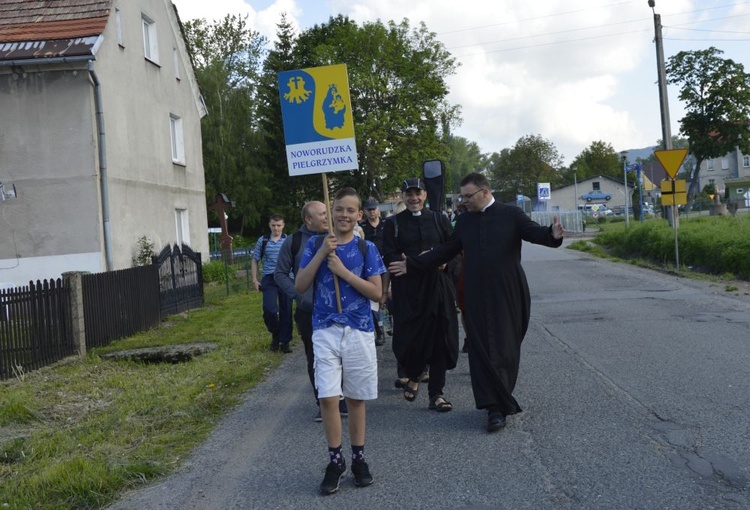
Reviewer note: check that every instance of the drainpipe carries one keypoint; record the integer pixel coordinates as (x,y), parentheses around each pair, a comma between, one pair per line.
(102,166)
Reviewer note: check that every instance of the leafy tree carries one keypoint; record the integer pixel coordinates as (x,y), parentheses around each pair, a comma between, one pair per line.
(597,159)
(464,157)
(532,159)
(227,56)
(289,193)
(716,93)
(397,79)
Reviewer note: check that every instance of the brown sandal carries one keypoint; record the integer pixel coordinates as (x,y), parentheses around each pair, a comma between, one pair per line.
(411,390)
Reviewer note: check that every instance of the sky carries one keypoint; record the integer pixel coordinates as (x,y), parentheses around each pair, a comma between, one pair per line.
(571,71)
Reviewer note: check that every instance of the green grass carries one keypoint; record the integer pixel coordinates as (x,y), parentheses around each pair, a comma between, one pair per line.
(714,245)
(77,434)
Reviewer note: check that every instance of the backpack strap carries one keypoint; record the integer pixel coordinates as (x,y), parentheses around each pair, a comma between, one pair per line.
(263,244)
(296,243)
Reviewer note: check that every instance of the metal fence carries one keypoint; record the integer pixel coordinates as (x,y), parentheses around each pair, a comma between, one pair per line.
(35,328)
(120,303)
(180,274)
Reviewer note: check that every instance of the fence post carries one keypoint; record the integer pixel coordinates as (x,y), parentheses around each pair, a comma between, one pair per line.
(74,281)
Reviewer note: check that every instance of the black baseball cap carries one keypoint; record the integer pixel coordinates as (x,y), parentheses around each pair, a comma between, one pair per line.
(413,182)
(371,203)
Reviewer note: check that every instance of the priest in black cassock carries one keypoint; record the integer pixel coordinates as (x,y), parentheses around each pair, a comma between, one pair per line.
(497,298)
(425,324)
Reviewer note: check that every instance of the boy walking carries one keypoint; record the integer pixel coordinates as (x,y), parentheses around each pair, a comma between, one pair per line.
(343,342)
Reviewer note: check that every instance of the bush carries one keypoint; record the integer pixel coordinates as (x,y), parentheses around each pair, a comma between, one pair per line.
(712,244)
(217,271)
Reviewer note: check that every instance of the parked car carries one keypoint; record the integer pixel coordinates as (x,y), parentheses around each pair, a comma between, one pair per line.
(596,195)
(598,209)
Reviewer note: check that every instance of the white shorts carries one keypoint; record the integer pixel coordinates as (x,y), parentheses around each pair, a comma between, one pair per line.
(345,363)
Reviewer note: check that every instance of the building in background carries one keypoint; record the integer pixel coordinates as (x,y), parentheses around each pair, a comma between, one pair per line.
(99,134)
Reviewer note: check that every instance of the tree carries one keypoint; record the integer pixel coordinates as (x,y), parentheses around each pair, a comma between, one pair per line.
(290,193)
(227,56)
(464,157)
(532,159)
(397,78)
(716,93)
(597,159)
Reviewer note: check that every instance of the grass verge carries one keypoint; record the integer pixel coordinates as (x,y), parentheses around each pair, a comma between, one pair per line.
(78,434)
(710,246)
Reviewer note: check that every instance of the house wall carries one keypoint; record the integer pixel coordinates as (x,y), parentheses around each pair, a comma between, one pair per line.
(145,186)
(47,151)
(565,198)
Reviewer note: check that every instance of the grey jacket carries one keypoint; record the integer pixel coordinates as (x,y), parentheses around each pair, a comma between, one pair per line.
(286,269)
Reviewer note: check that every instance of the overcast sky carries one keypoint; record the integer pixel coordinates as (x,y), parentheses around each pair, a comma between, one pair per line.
(572,71)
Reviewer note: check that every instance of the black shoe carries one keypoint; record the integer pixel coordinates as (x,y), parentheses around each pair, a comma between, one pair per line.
(343,408)
(379,340)
(495,421)
(274,347)
(286,349)
(361,472)
(331,480)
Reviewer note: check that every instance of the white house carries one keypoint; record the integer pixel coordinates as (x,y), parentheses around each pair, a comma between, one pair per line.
(99,136)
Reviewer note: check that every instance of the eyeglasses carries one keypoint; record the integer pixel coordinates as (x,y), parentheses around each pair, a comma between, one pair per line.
(466,198)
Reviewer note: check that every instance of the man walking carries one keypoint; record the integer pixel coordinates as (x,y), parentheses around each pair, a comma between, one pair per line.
(497,298)
(277,307)
(424,301)
(372,226)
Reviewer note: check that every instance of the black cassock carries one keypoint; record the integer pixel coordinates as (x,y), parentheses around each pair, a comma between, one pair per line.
(424,301)
(498,303)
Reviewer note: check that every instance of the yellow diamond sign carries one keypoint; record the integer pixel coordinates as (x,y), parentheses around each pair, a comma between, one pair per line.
(671,160)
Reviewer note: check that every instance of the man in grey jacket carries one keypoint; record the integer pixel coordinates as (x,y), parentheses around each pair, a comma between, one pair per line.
(287,265)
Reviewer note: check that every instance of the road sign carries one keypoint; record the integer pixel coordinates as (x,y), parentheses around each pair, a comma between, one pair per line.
(543,190)
(671,160)
(674,192)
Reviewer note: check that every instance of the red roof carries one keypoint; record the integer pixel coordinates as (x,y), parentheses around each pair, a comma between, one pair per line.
(57,24)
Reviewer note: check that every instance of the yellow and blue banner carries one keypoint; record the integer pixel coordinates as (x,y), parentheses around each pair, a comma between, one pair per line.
(318,125)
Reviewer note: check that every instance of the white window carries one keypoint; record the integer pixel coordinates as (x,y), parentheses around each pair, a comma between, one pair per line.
(745,161)
(118,28)
(176,61)
(710,165)
(150,41)
(177,139)
(182,226)
(724,164)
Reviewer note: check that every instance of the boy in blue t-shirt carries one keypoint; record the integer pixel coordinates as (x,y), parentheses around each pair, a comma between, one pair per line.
(343,341)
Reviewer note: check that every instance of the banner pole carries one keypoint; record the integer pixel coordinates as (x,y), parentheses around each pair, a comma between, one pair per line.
(330,231)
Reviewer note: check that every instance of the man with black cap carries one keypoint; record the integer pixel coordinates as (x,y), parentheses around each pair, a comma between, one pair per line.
(373,230)
(424,302)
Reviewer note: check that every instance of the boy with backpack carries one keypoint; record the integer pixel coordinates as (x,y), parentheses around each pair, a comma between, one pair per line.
(343,333)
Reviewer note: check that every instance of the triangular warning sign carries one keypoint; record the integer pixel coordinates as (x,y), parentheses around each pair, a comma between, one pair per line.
(671,160)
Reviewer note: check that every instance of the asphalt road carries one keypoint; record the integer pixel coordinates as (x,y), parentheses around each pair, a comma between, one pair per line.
(636,394)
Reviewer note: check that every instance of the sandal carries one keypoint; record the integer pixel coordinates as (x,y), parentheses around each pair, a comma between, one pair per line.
(411,390)
(400,383)
(440,405)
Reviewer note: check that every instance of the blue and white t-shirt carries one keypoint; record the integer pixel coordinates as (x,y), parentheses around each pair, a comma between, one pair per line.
(270,254)
(355,308)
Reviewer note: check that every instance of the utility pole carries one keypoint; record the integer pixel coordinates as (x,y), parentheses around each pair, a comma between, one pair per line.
(666,130)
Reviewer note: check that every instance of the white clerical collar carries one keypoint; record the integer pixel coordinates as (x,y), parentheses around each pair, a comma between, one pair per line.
(418,213)
(486,206)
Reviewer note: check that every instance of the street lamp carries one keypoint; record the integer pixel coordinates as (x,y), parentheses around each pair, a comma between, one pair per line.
(624,156)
